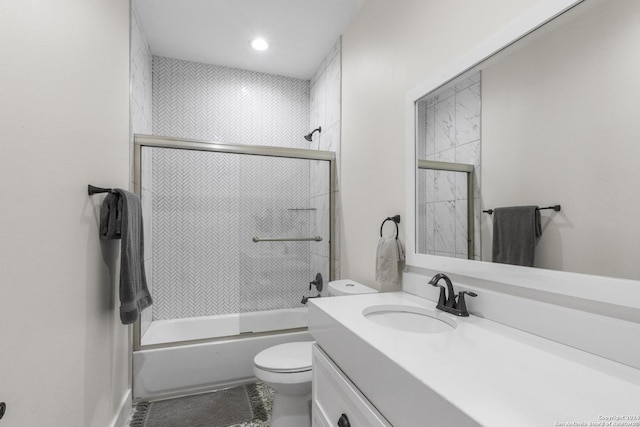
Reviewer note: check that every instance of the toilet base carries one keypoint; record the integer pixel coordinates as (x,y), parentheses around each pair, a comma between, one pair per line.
(291,411)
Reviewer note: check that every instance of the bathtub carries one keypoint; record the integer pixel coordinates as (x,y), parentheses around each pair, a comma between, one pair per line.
(195,367)
(224,325)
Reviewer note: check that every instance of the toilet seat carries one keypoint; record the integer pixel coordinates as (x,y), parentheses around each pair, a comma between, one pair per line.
(298,379)
(286,358)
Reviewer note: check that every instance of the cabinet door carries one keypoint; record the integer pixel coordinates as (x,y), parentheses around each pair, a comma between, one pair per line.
(336,401)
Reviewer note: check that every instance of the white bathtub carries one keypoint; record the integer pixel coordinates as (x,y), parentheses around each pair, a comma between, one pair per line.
(189,368)
(225,325)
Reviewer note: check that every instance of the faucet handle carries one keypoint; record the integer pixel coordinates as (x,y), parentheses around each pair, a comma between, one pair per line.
(462,305)
(317,283)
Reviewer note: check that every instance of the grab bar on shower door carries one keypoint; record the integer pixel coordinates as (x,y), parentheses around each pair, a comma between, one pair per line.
(287,239)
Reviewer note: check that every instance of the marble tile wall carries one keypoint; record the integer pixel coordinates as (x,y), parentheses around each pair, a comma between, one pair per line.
(449,131)
(325,111)
(141,80)
(141,116)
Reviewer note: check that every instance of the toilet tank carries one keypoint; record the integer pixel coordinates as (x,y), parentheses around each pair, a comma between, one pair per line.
(348,287)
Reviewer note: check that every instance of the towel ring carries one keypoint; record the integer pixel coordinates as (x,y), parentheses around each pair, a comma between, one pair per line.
(396,221)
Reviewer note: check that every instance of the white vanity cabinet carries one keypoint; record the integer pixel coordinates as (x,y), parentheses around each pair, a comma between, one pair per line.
(336,400)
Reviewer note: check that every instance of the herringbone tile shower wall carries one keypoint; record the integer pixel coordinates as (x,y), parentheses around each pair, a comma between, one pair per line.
(214,103)
(207,207)
(194,260)
(274,275)
(200,222)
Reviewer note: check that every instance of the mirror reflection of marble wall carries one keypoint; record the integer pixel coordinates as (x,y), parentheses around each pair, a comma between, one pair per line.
(448,131)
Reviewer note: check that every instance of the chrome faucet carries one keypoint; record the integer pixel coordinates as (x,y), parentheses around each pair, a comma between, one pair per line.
(447,300)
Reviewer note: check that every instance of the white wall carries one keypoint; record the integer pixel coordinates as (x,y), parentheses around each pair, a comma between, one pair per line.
(387,50)
(64,123)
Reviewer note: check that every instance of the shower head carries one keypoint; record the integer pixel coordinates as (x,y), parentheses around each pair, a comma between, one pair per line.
(309,136)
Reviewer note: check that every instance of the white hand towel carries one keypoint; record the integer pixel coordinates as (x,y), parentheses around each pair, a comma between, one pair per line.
(389,258)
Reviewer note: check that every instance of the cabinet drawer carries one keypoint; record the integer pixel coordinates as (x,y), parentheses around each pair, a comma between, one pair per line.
(334,395)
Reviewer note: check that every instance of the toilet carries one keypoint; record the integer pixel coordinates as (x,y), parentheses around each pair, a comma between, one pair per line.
(286,368)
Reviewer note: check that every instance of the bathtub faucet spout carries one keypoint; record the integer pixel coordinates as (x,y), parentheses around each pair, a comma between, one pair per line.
(305,299)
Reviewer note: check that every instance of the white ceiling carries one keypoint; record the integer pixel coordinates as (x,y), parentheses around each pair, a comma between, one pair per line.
(300,32)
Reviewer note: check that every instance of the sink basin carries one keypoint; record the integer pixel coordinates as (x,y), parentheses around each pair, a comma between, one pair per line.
(409,319)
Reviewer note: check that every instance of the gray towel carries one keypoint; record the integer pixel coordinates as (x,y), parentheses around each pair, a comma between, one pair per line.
(389,255)
(111,217)
(515,233)
(121,217)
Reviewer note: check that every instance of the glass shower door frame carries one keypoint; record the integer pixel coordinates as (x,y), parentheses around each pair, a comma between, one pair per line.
(461,168)
(141,141)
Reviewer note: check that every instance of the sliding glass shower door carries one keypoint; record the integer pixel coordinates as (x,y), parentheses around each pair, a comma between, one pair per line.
(235,238)
(281,215)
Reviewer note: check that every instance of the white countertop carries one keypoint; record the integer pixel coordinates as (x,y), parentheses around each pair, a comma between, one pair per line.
(496,375)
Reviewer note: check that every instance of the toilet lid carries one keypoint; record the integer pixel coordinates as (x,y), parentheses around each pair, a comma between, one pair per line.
(289,357)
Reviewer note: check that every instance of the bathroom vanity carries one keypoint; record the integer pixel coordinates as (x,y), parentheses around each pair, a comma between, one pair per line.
(337,401)
(469,372)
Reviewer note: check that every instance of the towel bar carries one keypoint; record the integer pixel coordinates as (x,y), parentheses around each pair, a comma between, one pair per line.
(91,189)
(287,239)
(554,207)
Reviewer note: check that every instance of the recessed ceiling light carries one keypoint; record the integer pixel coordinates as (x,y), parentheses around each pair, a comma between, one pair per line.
(259,44)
